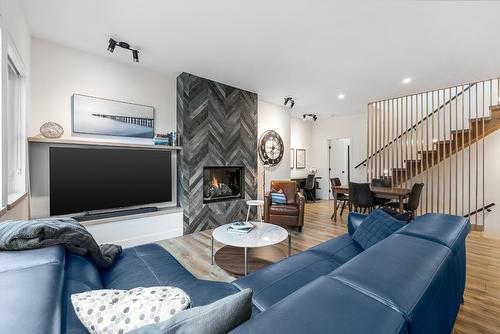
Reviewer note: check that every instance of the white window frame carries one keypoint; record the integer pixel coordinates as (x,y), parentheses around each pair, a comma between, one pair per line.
(12,56)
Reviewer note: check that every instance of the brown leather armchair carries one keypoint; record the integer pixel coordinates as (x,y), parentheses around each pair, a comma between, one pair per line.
(291,214)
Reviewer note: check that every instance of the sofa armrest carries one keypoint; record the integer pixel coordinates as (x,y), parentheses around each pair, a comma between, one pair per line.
(300,200)
(354,220)
(267,204)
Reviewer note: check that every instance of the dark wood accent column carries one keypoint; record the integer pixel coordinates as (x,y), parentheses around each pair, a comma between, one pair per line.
(217,125)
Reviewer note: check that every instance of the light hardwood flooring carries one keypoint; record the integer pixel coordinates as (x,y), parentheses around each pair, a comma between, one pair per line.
(479,314)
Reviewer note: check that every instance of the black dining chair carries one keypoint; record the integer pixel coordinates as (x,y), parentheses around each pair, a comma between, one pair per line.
(341,198)
(361,197)
(385,183)
(309,186)
(413,201)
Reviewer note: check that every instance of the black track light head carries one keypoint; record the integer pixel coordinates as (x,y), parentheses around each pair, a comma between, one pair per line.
(313,116)
(135,56)
(289,99)
(124,45)
(111,45)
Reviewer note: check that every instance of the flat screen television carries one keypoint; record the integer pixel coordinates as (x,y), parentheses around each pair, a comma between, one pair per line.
(91,179)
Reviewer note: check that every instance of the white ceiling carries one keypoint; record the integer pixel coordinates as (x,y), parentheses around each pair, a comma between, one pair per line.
(312,50)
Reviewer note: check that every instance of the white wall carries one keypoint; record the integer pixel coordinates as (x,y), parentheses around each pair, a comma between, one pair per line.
(353,127)
(59,72)
(300,138)
(492,182)
(277,118)
(16,35)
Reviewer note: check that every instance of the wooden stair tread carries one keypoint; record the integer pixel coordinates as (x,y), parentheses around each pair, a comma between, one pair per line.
(443,149)
(495,108)
(477,227)
(480,119)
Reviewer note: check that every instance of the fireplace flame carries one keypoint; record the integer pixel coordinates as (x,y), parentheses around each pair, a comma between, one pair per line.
(215,182)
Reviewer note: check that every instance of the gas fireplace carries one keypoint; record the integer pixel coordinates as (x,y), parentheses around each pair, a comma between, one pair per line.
(222,183)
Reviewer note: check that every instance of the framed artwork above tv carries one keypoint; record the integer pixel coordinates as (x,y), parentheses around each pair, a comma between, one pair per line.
(98,116)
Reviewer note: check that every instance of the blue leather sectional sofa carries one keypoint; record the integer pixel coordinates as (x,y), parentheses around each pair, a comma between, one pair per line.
(411,282)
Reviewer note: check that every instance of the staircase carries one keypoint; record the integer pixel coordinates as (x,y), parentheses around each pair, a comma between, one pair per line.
(419,138)
(460,139)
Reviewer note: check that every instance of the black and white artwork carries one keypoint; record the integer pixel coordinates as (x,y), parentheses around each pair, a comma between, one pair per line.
(300,158)
(98,116)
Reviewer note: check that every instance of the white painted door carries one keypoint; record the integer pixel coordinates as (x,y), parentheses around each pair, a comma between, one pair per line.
(339,159)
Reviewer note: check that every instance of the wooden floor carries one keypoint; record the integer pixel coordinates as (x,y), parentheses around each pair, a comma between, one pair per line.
(479,314)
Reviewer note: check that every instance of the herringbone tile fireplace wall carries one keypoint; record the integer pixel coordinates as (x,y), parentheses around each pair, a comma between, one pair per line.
(217,125)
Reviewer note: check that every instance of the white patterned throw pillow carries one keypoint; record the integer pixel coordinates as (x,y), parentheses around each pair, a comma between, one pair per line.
(120,311)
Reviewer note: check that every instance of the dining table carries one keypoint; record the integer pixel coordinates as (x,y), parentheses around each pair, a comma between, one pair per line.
(399,194)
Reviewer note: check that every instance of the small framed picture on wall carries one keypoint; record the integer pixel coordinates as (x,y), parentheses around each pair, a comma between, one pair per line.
(300,158)
(292,158)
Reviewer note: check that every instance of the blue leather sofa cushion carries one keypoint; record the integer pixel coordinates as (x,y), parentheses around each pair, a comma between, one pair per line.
(145,265)
(80,275)
(326,306)
(376,227)
(152,265)
(340,249)
(31,284)
(447,230)
(408,274)
(273,283)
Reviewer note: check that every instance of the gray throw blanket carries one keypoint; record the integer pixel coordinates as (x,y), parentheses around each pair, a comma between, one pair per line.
(39,233)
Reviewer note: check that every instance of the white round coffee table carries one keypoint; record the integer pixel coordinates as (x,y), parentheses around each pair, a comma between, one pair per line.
(262,235)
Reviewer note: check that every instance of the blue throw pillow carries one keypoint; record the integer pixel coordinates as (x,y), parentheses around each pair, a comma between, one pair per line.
(278,198)
(376,227)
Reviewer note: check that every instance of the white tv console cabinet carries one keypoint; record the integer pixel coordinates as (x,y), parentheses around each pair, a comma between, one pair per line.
(127,231)
(133,230)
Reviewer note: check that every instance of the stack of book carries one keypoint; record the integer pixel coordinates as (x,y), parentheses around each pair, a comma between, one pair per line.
(168,139)
(240,227)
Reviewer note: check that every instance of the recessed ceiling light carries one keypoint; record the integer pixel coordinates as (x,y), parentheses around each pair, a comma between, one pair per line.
(406,81)
(340,96)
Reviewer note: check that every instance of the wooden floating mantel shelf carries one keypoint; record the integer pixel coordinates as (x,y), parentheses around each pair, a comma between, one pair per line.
(73,141)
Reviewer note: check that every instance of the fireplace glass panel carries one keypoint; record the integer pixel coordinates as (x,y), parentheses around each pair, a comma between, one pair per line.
(222,183)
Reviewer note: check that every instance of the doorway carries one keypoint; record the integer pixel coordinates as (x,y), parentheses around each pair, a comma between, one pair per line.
(339,159)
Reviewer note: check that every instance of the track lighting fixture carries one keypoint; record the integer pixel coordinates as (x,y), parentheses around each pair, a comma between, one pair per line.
(111,46)
(124,45)
(290,100)
(313,116)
